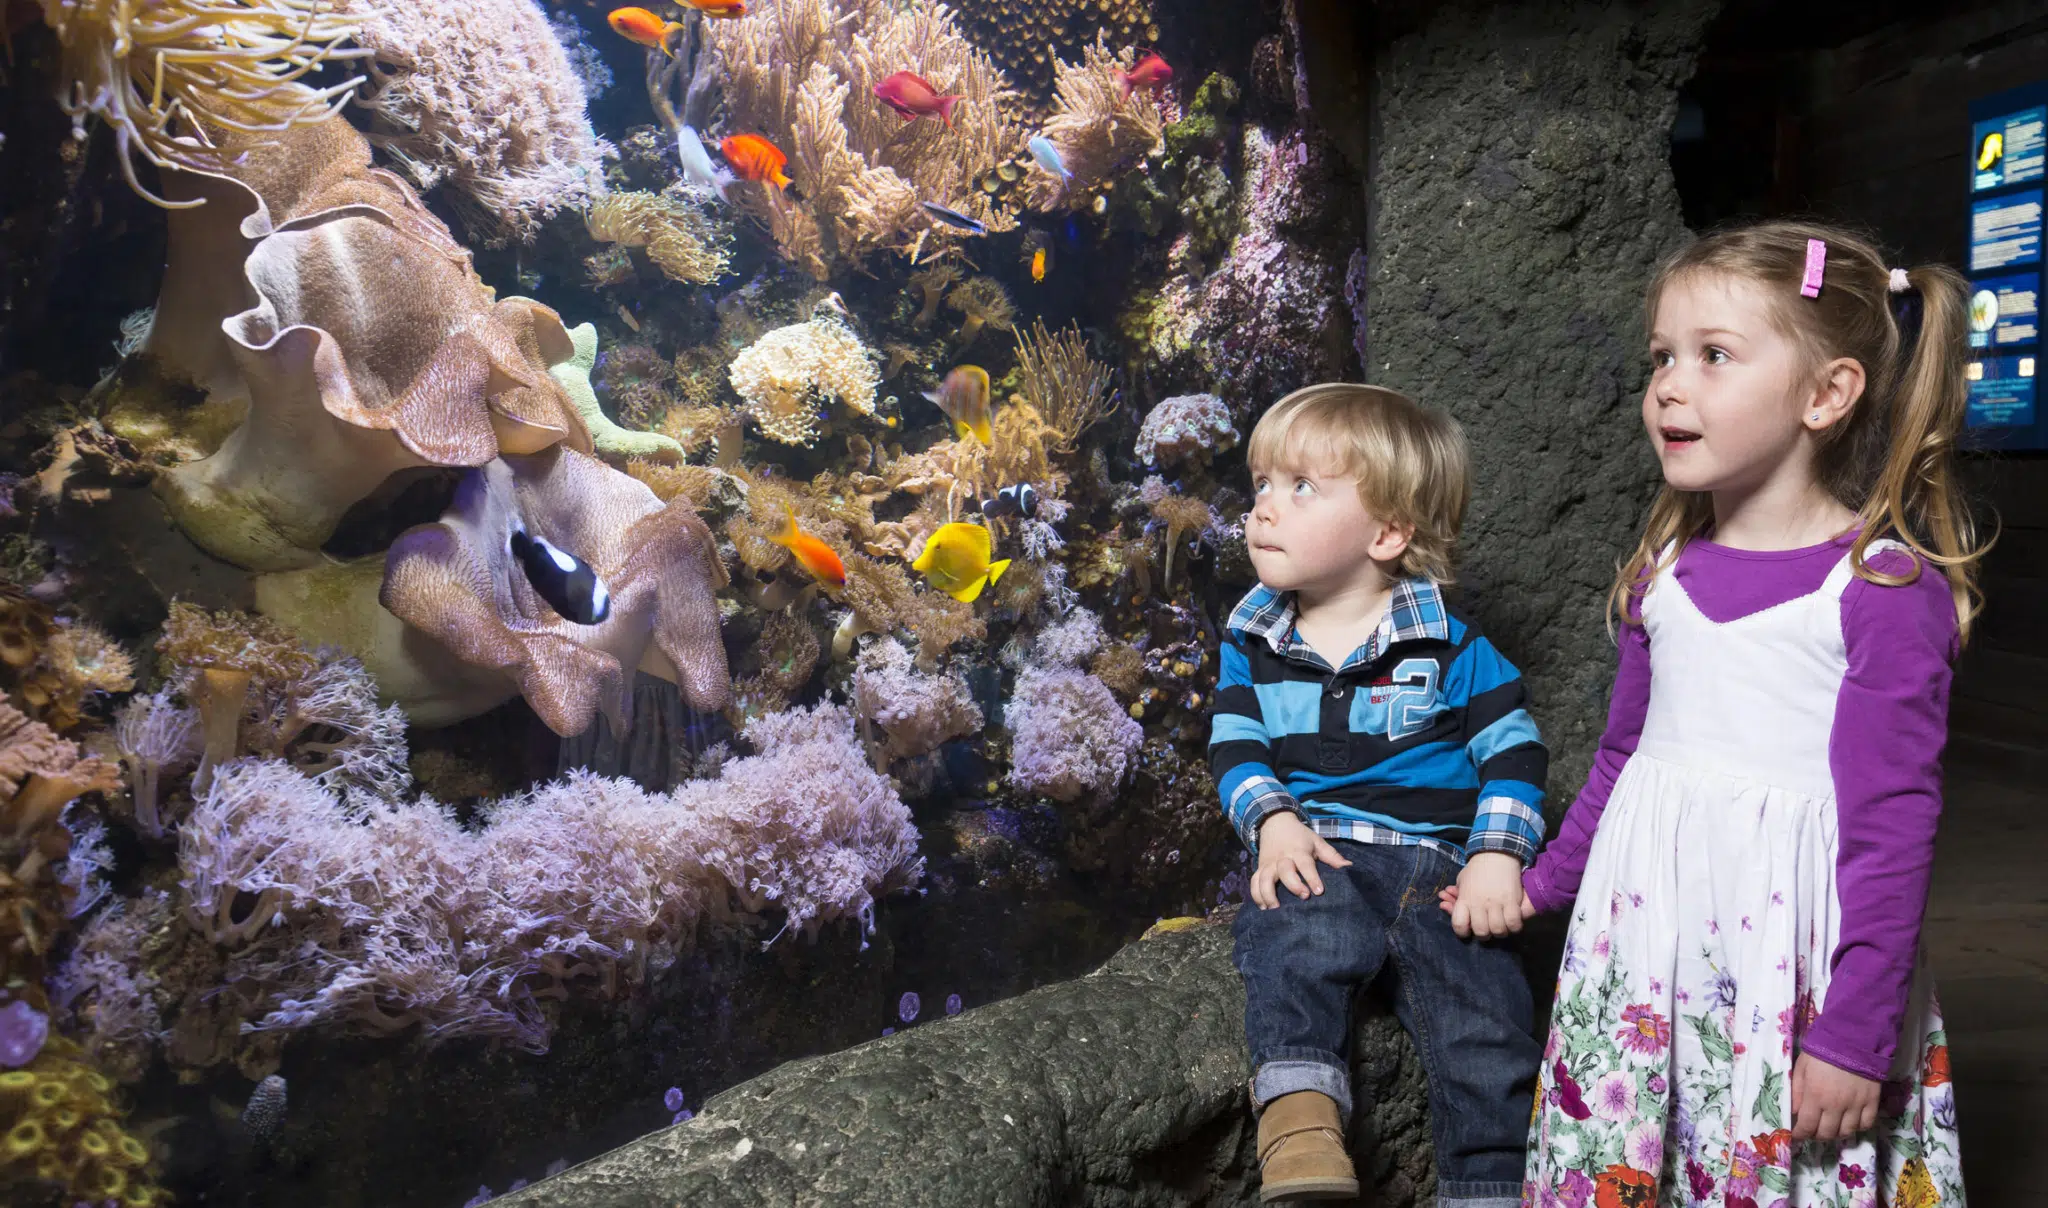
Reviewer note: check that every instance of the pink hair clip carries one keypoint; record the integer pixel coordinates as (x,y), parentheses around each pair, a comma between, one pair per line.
(1816,267)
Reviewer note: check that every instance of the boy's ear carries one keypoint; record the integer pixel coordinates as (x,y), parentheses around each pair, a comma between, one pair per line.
(1392,541)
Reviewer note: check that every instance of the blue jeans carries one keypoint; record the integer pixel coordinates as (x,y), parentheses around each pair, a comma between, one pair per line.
(1465,1003)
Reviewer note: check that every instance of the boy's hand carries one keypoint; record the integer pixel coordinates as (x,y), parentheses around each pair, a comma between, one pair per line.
(1488,900)
(1828,1102)
(1288,851)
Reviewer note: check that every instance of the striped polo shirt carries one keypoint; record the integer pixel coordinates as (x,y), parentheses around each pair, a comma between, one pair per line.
(1420,736)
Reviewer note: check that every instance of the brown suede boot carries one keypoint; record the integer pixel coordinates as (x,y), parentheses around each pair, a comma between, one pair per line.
(1301,1150)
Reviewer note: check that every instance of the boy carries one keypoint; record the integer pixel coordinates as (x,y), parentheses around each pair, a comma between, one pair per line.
(1361,724)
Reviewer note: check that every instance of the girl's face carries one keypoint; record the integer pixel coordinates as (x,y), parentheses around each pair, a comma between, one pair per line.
(1728,395)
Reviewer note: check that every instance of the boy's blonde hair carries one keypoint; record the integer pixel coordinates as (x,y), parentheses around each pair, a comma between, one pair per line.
(1411,462)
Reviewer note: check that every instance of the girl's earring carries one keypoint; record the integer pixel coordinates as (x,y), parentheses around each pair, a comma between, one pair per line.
(1814,418)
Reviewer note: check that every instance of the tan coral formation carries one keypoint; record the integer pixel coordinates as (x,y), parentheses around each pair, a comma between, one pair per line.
(456,581)
(365,344)
(787,374)
(1099,130)
(801,73)
(1029,38)
(678,234)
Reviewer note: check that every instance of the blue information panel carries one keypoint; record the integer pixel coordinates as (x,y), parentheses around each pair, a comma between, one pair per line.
(2008,172)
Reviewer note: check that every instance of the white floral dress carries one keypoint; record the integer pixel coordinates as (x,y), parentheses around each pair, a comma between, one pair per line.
(1700,946)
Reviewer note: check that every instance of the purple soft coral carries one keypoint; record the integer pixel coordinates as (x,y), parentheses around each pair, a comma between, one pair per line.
(23,1029)
(1068,735)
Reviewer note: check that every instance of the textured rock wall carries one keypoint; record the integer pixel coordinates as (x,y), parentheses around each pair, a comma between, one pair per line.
(1522,194)
(1123,1088)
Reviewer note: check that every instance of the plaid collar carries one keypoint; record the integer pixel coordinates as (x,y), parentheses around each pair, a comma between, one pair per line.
(1415,612)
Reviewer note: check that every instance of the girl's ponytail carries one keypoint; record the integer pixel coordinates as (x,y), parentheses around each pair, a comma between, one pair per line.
(1914,496)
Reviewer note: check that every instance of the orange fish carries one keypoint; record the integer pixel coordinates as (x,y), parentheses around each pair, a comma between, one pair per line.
(755,158)
(718,10)
(1038,265)
(640,26)
(813,555)
(1149,72)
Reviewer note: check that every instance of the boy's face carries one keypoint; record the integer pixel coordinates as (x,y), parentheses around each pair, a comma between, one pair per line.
(1309,531)
(1728,390)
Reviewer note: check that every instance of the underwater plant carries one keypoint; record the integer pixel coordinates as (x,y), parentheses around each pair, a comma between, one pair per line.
(802,74)
(165,76)
(1069,388)
(1099,127)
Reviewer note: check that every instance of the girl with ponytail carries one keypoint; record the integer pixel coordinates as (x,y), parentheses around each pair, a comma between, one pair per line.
(1742,1016)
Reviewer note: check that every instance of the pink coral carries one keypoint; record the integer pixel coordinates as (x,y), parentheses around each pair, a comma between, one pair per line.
(916,712)
(1183,426)
(1068,735)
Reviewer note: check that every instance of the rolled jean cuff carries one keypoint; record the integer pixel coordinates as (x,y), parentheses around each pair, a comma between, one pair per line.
(1289,1074)
(1478,1195)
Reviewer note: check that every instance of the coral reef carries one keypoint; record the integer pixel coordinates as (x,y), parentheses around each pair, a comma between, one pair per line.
(1100,129)
(801,73)
(606,437)
(62,1128)
(39,774)
(383,916)
(1027,38)
(457,582)
(53,668)
(1068,736)
(238,65)
(1184,426)
(1069,388)
(915,712)
(481,97)
(789,374)
(679,233)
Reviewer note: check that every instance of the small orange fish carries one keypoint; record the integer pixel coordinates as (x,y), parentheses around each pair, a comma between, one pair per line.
(718,10)
(755,158)
(1038,265)
(642,27)
(1150,72)
(813,555)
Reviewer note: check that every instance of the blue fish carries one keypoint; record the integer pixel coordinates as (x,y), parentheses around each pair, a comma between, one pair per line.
(953,218)
(565,581)
(1048,157)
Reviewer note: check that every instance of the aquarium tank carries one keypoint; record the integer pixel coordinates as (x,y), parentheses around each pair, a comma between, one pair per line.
(557,560)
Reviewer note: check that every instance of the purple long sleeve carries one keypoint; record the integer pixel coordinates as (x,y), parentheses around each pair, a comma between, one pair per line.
(1553,881)
(1891,721)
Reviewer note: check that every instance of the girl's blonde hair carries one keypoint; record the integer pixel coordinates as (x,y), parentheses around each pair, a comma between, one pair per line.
(1411,462)
(1892,458)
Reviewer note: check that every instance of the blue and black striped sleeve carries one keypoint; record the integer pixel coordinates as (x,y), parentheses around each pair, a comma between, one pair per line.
(1504,747)
(1240,752)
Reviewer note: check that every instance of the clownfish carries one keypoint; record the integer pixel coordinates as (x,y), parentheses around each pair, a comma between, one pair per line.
(565,581)
(1017,499)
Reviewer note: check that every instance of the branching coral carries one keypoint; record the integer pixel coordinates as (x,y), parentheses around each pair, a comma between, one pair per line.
(1185,426)
(482,96)
(1068,736)
(1069,388)
(39,774)
(679,234)
(1099,129)
(156,72)
(788,374)
(456,581)
(802,74)
(916,712)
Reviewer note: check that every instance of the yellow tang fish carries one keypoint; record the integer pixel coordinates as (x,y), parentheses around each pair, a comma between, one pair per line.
(963,396)
(955,560)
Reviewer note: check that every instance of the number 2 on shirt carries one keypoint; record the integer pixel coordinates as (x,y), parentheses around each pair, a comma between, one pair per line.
(1413,705)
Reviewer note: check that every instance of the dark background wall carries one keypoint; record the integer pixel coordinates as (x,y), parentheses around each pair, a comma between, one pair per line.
(1522,193)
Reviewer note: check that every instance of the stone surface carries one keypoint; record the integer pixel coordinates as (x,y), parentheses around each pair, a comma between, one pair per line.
(1123,1087)
(1522,195)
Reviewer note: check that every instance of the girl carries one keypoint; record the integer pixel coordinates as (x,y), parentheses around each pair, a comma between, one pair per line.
(1741,1019)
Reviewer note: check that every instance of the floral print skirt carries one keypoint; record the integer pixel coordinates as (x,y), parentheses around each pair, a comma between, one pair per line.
(1698,949)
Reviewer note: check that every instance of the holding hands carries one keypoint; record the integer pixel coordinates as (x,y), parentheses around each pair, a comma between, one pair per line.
(1288,851)
(1488,900)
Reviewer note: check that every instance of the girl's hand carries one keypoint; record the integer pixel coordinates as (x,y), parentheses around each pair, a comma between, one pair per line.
(1288,851)
(1828,1102)
(1447,897)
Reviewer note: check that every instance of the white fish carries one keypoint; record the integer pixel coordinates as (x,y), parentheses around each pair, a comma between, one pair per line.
(697,166)
(1048,157)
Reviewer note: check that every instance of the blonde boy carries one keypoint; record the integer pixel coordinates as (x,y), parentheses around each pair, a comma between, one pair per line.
(1362,725)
